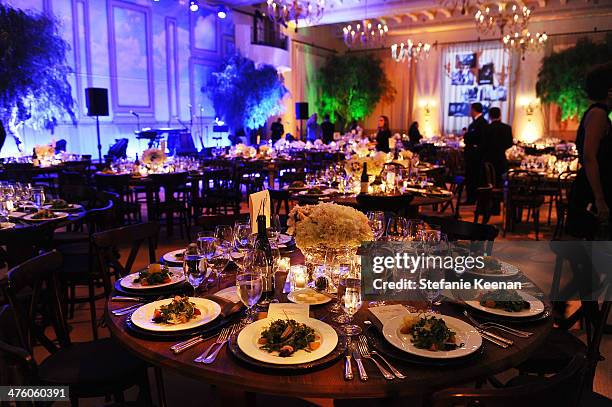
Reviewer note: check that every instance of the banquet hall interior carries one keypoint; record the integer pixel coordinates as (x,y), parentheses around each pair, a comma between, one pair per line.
(216,202)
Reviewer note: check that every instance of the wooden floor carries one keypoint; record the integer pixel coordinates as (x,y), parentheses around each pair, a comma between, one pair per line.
(184,392)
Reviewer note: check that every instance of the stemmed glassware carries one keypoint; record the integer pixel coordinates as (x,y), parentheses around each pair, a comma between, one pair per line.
(257,261)
(351,303)
(242,241)
(275,229)
(195,269)
(218,263)
(249,286)
(376,220)
(397,228)
(38,197)
(225,236)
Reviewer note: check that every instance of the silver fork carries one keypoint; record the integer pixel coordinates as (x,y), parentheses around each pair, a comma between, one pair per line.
(396,372)
(223,335)
(211,358)
(503,328)
(366,354)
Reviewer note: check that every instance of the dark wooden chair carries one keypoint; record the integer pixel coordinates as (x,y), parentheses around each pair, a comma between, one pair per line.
(522,193)
(106,246)
(564,186)
(221,194)
(174,201)
(462,230)
(91,369)
(129,209)
(280,200)
(20,244)
(80,267)
(559,390)
(397,204)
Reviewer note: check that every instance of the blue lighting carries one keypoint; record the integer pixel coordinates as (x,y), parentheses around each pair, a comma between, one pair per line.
(222,12)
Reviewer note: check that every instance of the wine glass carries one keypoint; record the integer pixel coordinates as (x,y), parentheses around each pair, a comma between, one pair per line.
(207,244)
(257,261)
(38,197)
(195,269)
(351,303)
(376,220)
(242,241)
(431,292)
(249,286)
(415,227)
(225,236)
(397,228)
(218,263)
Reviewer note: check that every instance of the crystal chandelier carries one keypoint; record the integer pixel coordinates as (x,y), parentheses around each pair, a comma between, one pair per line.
(510,16)
(524,41)
(410,51)
(284,11)
(365,33)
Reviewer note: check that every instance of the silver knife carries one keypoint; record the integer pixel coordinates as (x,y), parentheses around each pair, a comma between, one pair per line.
(348,368)
(357,356)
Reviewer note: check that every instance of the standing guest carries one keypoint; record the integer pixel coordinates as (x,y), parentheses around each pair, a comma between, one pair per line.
(2,135)
(495,144)
(277,129)
(592,189)
(414,135)
(475,134)
(327,130)
(313,130)
(383,135)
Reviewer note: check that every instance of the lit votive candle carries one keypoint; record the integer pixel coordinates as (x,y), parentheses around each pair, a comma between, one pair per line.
(284,263)
(299,276)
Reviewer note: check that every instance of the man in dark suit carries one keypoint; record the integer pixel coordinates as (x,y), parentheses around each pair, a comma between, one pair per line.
(475,134)
(327,130)
(495,144)
(277,129)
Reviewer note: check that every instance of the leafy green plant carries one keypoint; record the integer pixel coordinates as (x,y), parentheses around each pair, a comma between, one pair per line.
(561,76)
(245,95)
(33,71)
(351,85)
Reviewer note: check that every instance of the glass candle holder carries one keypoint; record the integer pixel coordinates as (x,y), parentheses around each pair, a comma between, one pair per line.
(299,276)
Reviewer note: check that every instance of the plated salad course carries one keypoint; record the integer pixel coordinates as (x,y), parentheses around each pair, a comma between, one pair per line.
(508,300)
(44,214)
(315,191)
(179,311)
(297,184)
(287,336)
(491,265)
(429,332)
(153,275)
(58,204)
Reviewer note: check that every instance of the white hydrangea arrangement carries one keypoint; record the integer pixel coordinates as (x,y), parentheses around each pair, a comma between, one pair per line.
(328,225)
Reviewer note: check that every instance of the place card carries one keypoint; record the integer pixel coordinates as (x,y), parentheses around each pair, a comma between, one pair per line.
(259,204)
(385,313)
(229,294)
(286,310)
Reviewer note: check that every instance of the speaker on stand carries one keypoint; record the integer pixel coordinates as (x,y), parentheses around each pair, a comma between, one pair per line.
(96,100)
(301,114)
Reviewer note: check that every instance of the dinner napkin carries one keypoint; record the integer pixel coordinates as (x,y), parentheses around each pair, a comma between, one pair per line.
(259,204)
(227,307)
(385,313)
(284,310)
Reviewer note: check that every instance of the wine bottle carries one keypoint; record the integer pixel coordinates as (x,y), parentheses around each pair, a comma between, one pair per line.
(136,167)
(365,180)
(262,243)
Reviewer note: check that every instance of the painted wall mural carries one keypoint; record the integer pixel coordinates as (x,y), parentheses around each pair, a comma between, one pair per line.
(152,56)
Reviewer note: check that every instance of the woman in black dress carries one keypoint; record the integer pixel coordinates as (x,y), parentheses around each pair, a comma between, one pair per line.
(383,135)
(414,135)
(591,196)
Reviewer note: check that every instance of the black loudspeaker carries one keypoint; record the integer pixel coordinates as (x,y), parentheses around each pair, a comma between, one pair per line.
(301,111)
(97,101)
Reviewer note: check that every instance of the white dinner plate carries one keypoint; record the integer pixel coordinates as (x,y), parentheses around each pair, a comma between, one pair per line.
(143,316)
(507,270)
(69,208)
(308,296)
(7,225)
(58,215)
(326,192)
(248,337)
(536,307)
(284,239)
(464,332)
(170,257)
(128,281)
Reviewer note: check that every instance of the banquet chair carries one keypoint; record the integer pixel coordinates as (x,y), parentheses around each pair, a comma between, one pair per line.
(20,244)
(397,204)
(522,193)
(462,230)
(561,389)
(129,210)
(99,368)
(564,186)
(174,200)
(107,243)
(224,196)
(280,199)
(80,267)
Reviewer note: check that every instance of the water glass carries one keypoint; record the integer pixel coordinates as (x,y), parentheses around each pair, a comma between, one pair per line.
(376,220)
(225,236)
(351,303)
(38,196)
(275,229)
(242,238)
(195,269)
(397,228)
(249,287)
(207,244)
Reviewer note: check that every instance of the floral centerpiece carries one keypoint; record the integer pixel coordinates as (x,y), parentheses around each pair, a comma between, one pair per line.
(327,228)
(329,225)
(153,156)
(375,162)
(44,151)
(515,153)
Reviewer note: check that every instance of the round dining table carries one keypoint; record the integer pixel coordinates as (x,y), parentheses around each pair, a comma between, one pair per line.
(237,381)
